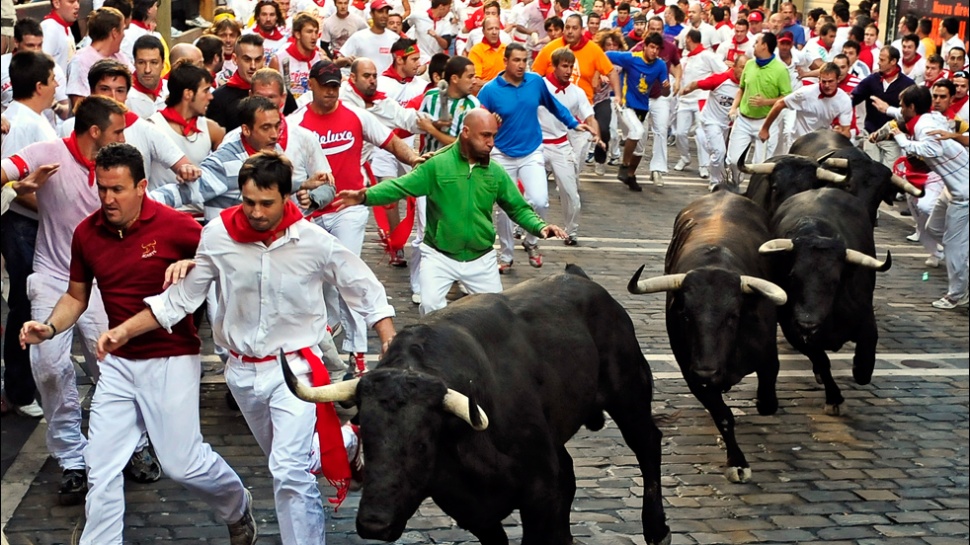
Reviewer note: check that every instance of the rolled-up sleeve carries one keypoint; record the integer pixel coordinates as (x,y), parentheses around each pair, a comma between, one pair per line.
(357,284)
(183,298)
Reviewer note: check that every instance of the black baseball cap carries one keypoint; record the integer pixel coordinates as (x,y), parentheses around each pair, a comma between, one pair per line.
(326,72)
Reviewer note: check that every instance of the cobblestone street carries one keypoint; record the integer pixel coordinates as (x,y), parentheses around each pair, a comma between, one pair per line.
(893,469)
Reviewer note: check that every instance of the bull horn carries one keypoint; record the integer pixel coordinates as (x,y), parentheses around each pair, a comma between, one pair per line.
(835,162)
(459,405)
(777,245)
(331,393)
(667,282)
(904,185)
(757,168)
(774,293)
(856,257)
(828,176)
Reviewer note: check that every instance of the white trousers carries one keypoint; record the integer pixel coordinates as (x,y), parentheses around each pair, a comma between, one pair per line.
(885,152)
(348,227)
(948,224)
(531,171)
(716,147)
(283,425)
(561,161)
(660,113)
(53,368)
(631,125)
(921,209)
(414,265)
(745,131)
(580,142)
(687,114)
(439,272)
(160,396)
(786,130)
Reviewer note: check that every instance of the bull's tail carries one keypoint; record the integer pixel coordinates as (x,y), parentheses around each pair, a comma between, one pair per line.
(576,270)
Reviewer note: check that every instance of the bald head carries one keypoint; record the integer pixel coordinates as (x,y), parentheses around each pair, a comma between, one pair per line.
(479,119)
(478,135)
(362,65)
(363,75)
(189,52)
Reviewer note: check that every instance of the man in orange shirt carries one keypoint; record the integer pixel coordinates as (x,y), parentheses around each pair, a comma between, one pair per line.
(489,54)
(590,59)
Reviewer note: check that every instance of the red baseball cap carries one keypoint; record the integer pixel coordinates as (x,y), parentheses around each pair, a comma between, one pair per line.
(786,37)
(754,16)
(378,5)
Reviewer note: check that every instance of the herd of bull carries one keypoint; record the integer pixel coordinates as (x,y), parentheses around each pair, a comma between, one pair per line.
(473,406)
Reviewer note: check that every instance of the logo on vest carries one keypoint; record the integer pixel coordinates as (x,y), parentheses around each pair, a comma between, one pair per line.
(148,250)
(336,142)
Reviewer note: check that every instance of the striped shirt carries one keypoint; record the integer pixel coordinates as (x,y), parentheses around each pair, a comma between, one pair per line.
(947,158)
(432,105)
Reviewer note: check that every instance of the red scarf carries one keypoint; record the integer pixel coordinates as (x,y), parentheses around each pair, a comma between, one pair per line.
(377,95)
(660,10)
(822,95)
(145,90)
(433,18)
(633,35)
(360,4)
(140,24)
(737,43)
(892,73)
(239,83)
(294,51)
(394,75)
(275,35)
(54,16)
(696,51)
(915,60)
(130,118)
(239,229)
(189,126)
(724,23)
(560,87)
(583,40)
(911,125)
(495,46)
(955,107)
(284,136)
(622,23)
(75,151)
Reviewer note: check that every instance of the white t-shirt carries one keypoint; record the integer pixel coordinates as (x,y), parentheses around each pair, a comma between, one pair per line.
(336,31)
(710,38)
(421,23)
(144,105)
(697,67)
(155,146)
(26,128)
(6,90)
(574,99)
(953,41)
(799,59)
(196,148)
(917,72)
(818,113)
(376,47)
(58,42)
(719,103)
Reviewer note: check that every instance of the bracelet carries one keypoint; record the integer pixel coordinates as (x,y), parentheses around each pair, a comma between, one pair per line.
(54,329)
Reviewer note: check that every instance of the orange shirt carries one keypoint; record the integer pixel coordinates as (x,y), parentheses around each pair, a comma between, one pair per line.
(589,60)
(488,62)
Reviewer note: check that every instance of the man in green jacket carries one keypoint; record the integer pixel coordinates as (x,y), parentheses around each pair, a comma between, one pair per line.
(462,186)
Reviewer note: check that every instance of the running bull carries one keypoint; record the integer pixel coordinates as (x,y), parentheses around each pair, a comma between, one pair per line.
(720,311)
(473,408)
(823,260)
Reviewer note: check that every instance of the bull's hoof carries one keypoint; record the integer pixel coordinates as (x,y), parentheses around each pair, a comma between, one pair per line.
(766,408)
(834,409)
(738,474)
(862,376)
(664,541)
(818,379)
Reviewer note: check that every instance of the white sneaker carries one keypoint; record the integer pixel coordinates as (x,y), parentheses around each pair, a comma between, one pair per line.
(175,33)
(600,169)
(914,237)
(416,298)
(932,261)
(32,410)
(682,164)
(947,303)
(658,178)
(703,173)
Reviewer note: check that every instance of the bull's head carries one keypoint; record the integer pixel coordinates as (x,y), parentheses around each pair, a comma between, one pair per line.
(869,180)
(707,305)
(403,417)
(783,176)
(814,279)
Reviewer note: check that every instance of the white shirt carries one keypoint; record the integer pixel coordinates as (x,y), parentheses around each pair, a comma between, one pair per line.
(698,67)
(155,146)
(26,127)
(271,298)
(861,70)
(953,41)
(376,47)
(58,42)
(728,50)
(815,113)
(718,104)
(196,148)
(144,105)
(947,158)
(917,72)
(799,59)
(574,99)
(710,38)
(6,89)
(421,23)
(920,48)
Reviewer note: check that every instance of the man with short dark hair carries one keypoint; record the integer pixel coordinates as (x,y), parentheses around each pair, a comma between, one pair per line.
(29,36)
(433,29)
(33,87)
(143,23)
(294,60)
(817,106)
(956,59)
(935,70)
(130,231)
(148,91)
(264,246)
(949,32)
(211,48)
(912,63)
(884,84)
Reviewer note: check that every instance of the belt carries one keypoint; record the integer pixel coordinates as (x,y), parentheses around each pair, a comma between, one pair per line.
(559,140)
(255,359)
(751,118)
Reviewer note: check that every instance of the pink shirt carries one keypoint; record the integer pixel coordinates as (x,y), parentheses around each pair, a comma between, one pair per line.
(65,200)
(77,69)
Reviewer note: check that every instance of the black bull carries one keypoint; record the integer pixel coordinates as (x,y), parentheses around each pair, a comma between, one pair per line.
(536,363)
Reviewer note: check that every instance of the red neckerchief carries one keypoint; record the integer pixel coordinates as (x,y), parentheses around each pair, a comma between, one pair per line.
(239,229)
(189,126)
(911,125)
(360,4)
(737,43)
(696,51)
(633,35)
(583,40)
(377,95)
(237,82)
(140,24)
(587,34)
(812,34)
(433,18)
(495,46)
(226,58)
(393,74)
(130,118)
(294,51)
(827,48)
(75,151)
(892,73)
(822,95)
(145,90)
(284,136)
(275,35)
(660,10)
(724,23)
(955,107)
(915,60)
(622,23)
(560,87)
(320,3)
(55,17)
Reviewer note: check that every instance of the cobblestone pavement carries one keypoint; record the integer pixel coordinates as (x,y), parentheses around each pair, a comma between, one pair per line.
(893,469)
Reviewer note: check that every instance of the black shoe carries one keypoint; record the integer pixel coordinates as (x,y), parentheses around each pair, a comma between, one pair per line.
(143,467)
(74,485)
(571,240)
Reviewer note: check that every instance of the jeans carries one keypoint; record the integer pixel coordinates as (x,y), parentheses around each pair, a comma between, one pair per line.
(17,244)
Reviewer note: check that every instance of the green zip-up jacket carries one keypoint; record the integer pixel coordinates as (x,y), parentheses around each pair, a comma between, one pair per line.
(460,200)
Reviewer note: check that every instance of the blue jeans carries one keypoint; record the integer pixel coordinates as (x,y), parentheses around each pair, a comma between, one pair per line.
(17,239)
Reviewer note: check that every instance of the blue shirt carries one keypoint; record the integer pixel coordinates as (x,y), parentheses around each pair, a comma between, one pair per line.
(639,77)
(518,106)
(797,32)
(673,31)
(626,28)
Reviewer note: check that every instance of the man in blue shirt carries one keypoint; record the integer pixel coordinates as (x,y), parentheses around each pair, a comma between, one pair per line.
(515,96)
(886,84)
(642,70)
(791,24)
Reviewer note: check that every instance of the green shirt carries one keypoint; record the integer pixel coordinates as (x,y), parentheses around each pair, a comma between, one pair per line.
(460,201)
(772,81)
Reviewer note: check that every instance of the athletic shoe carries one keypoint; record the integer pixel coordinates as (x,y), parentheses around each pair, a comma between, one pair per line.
(31,410)
(198,22)
(416,298)
(505,267)
(356,366)
(671,140)
(614,161)
(517,233)
(535,258)
(681,165)
(571,240)
(397,260)
(914,237)
(143,467)
(243,531)
(589,158)
(599,169)
(703,173)
(932,261)
(947,303)
(74,485)
(175,33)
